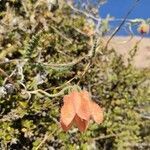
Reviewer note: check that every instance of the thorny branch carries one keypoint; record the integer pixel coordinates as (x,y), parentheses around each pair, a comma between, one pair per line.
(46,137)
(40,91)
(123,21)
(84,13)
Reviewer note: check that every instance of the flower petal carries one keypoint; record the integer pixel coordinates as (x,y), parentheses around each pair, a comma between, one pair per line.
(84,110)
(76,100)
(97,112)
(67,111)
(81,123)
(64,127)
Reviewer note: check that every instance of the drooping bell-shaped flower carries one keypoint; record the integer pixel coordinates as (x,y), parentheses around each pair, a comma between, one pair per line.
(78,109)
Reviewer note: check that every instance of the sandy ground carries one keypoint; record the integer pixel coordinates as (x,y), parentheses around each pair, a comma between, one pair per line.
(124,44)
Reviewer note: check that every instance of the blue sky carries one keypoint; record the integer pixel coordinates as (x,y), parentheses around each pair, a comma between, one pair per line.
(119,8)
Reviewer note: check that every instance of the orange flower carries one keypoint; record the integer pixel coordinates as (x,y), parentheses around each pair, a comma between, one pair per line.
(78,108)
(143,28)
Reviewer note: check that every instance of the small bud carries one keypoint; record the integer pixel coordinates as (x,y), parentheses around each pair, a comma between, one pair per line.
(144,28)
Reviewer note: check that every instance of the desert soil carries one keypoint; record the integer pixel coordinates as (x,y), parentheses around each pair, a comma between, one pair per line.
(124,44)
